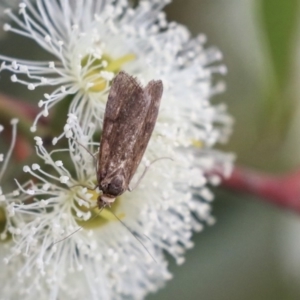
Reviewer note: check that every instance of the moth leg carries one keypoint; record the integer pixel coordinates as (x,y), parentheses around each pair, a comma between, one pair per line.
(130,189)
(79,228)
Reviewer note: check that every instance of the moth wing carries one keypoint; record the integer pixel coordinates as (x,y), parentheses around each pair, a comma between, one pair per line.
(124,116)
(152,93)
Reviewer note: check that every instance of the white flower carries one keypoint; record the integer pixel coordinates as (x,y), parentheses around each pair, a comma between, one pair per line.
(6,198)
(8,201)
(92,40)
(119,253)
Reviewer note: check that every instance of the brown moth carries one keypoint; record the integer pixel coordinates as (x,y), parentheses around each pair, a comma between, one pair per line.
(129,119)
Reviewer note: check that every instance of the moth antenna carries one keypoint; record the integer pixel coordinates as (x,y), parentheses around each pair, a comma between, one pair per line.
(97,215)
(66,236)
(133,235)
(130,189)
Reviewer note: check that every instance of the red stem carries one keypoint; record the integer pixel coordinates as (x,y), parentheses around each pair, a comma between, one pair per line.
(283,190)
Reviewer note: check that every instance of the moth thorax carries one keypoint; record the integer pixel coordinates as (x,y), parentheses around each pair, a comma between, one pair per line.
(105,200)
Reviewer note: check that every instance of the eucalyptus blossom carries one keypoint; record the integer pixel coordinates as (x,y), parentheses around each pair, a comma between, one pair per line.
(63,244)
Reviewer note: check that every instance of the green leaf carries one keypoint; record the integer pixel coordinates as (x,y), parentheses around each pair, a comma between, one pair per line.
(279,20)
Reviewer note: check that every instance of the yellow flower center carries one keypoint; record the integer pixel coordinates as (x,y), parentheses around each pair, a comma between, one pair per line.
(103,216)
(96,68)
(197,143)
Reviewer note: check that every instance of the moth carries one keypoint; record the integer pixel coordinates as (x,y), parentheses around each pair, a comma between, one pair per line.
(129,119)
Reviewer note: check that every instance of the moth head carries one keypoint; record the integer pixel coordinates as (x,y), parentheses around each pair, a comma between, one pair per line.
(113,186)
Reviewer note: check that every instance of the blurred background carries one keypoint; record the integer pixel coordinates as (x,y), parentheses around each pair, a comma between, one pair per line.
(253,251)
